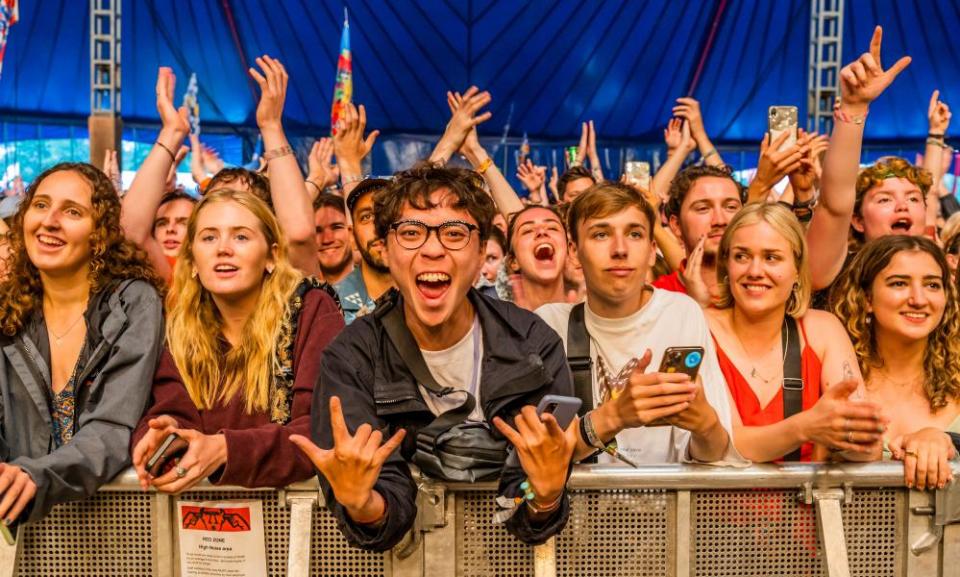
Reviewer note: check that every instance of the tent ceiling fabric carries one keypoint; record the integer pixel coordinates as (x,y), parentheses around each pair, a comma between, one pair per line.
(555,63)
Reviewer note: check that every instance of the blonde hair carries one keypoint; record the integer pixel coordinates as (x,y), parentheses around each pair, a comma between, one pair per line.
(194,323)
(782,220)
(850,299)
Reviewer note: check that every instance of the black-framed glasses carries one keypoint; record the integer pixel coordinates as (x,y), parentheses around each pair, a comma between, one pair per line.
(453,234)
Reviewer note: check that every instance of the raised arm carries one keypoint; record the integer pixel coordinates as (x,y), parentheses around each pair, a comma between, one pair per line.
(689,108)
(287,189)
(461,134)
(861,82)
(938,118)
(351,147)
(139,208)
(322,173)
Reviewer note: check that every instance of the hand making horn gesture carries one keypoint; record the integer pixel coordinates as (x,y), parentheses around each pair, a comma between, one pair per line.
(863,80)
(353,465)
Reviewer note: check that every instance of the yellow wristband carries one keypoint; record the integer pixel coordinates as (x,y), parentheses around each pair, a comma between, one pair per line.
(484,165)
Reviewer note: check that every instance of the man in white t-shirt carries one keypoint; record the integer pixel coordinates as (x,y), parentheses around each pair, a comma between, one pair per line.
(654,417)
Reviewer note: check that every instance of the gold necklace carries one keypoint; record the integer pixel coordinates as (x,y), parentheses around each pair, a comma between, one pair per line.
(57,339)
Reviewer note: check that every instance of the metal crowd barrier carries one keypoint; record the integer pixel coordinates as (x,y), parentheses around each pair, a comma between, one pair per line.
(675,520)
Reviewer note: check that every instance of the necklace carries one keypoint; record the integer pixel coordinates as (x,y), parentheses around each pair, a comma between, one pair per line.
(57,339)
(901,384)
(754,373)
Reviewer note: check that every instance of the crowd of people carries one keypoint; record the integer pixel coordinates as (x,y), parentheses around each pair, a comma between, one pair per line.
(340,325)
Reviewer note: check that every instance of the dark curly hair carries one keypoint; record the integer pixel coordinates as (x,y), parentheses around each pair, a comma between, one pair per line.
(414,187)
(684,181)
(113,257)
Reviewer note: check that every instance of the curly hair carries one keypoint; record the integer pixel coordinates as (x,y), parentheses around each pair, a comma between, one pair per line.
(685,180)
(884,168)
(113,258)
(851,295)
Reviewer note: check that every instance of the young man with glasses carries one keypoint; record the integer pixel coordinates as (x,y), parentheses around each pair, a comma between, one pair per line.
(435,222)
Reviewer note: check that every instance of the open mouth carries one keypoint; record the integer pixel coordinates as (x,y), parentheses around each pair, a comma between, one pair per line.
(544,252)
(902,226)
(48,241)
(915,317)
(433,285)
(225,270)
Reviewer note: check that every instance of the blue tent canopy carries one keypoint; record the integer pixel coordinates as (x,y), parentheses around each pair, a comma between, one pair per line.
(553,63)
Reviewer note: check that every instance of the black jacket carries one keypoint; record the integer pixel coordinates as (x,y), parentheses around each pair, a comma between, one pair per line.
(523,360)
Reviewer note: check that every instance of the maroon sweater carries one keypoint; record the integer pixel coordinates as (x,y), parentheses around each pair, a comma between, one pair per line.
(259,452)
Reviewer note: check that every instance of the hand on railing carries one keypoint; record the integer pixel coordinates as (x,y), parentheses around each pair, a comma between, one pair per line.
(926,456)
(17,488)
(353,465)
(205,454)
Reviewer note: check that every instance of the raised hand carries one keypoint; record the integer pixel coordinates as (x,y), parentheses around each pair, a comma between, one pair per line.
(272,79)
(938,115)
(926,456)
(111,167)
(672,136)
(320,168)
(171,182)
(775,163)
(545,451)
(804,178)
(465,117)
(584,143)
(592,153)
(693,276)
(349,143)
(863,80)
(531,176)
(689,109)
(353,465)
(472,141)
(552,184)
(173,119)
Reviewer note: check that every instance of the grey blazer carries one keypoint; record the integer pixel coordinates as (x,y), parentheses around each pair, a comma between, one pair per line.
(124,339)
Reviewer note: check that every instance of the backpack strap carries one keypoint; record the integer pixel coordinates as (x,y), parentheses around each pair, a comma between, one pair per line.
(578,357)
(792,375)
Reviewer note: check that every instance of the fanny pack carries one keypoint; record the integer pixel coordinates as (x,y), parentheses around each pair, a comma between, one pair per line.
(450,448)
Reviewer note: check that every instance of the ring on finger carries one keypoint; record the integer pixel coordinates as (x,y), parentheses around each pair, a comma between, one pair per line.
(181,472)
(909,453)
(850,436)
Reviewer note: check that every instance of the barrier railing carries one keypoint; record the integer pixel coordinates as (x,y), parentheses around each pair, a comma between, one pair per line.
(675,520)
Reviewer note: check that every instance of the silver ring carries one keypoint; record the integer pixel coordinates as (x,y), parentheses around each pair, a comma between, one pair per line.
(181,472)
(850,437)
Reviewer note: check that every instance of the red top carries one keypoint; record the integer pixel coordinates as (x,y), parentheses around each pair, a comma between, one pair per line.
(672,282)
(259,452)
(748,405)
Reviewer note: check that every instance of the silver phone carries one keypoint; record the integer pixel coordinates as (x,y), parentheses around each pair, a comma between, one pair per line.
(782,119)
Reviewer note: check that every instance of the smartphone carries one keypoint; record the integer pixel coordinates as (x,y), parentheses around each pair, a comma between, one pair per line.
(9,532)
(684,360)
(563,409)
(638,173)
(171,448)
(782,119)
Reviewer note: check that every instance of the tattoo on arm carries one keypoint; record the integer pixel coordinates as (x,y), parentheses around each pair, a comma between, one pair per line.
(847,371)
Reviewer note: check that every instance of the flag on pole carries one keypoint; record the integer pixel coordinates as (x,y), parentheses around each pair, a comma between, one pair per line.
(192,101)
(343,90)
(9,15)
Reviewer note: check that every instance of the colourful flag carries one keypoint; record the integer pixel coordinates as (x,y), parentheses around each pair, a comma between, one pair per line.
(343,90)
(192,101)
(9,15)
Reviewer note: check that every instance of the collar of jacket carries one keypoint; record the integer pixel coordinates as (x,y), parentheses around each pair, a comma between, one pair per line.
(511,370)
(105,319)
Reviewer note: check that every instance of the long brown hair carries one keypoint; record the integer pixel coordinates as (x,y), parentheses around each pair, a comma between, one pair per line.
(194,324)
(851,295)
(112,257)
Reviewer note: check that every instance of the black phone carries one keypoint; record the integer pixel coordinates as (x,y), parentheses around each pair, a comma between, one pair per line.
(563,409)
(684,360)
(172,447)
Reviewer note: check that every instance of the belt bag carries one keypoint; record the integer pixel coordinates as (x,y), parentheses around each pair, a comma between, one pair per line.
(450,448)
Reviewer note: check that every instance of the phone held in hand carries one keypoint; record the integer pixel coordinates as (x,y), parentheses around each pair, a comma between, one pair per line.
(684,360)
(163,458)
(638,173)
(782,119)
(563,409)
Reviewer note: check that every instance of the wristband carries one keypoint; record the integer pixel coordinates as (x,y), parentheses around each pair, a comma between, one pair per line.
(173,156)
(545,509)
(484,165)
(709,153)
(589,433)
(841,116)
(314,185)
(936,136)
(277,153)
(937,142)
(345,180)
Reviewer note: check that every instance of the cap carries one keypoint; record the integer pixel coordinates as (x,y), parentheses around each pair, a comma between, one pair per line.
(366,185)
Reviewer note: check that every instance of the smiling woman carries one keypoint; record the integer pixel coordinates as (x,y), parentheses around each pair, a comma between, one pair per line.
(244,340)
(81,331)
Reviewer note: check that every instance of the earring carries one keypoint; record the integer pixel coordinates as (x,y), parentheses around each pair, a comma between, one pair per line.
(193,273)
(269,269)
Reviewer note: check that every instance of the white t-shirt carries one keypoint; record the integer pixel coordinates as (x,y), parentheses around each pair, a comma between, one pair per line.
(457,367)
(669,319)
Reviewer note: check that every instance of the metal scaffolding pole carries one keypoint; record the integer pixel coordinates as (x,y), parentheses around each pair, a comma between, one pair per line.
(826,46)
(104,121)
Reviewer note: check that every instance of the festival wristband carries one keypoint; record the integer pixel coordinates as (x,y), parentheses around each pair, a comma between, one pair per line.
(277,153)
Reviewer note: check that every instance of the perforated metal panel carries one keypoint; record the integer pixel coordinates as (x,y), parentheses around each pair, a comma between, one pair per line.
(765,533)
(620,532)
(331,555)
(108,534)
(483,548)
